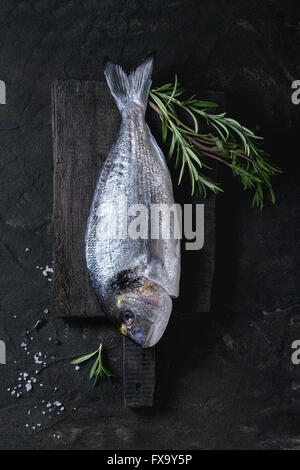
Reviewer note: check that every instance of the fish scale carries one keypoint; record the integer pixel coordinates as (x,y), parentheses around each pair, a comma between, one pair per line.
(133,277)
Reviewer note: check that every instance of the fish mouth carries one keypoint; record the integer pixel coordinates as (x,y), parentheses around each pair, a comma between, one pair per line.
(150,324)
(158,328)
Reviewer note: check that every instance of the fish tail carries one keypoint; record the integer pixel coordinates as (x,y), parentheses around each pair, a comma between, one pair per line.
(134,87)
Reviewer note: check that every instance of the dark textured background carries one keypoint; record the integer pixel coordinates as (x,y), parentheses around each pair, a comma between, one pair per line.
(225,379)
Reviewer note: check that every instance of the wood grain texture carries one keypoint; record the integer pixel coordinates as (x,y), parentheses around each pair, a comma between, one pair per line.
(85,123)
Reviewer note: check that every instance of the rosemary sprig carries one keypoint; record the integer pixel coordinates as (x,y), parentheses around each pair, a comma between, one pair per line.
(97,369)
(229,142)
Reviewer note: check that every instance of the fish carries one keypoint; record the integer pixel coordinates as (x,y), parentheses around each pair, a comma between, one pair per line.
(135,278)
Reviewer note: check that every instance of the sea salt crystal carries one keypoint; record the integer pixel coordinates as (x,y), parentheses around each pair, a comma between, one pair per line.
(36,358)
(47,270)
(28,387)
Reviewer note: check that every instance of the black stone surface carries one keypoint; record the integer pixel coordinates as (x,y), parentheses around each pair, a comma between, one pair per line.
(225,379)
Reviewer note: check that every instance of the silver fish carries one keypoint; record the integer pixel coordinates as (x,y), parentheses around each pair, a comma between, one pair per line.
(134,278)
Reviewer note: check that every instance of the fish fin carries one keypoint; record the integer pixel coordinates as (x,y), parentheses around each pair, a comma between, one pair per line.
(134,87)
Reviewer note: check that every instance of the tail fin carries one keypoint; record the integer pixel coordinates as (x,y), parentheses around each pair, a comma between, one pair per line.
(133,87)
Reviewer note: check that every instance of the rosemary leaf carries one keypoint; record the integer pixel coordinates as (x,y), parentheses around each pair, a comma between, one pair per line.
(84,358)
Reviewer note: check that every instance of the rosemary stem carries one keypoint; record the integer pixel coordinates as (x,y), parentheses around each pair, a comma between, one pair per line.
(200,138)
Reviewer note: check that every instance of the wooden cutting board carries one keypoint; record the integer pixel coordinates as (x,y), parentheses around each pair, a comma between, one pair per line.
(85,124)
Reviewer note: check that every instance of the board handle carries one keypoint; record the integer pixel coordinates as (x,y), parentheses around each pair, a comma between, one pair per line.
(138,374)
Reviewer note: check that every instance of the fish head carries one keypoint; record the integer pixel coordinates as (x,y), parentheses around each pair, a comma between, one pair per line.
(142,312)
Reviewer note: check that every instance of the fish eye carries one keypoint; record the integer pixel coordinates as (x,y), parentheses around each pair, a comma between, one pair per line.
(127,317)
